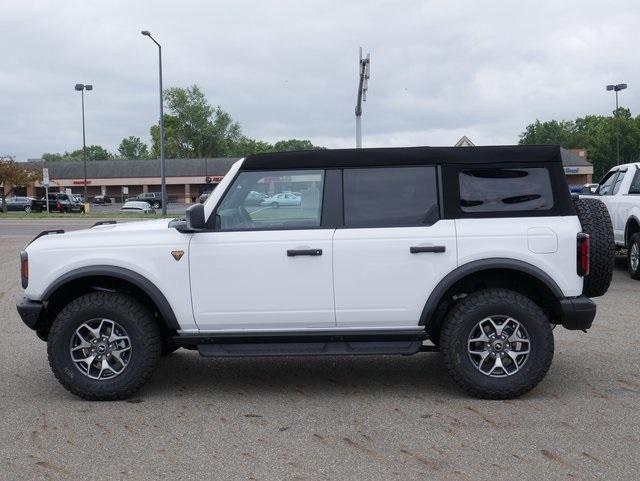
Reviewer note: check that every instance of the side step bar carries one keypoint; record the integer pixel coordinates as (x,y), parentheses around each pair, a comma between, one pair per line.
(327,348)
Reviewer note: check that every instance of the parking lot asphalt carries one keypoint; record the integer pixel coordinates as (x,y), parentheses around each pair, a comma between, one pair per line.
(358,418)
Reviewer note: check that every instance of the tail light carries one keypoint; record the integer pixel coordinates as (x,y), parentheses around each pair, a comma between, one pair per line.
(24,269)
(58,205)
(584,248)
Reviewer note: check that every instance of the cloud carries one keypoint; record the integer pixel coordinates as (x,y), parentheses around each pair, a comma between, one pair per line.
(288,68)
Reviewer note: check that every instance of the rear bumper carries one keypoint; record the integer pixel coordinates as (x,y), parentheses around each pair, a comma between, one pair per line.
(29,311)
(577,313)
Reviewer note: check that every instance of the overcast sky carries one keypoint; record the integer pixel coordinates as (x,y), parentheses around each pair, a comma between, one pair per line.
(288,69)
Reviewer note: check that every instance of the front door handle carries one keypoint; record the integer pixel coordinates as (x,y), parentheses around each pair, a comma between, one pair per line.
(304,252)
(419,249)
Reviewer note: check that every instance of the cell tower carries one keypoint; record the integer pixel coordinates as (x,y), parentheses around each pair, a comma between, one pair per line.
(363,86)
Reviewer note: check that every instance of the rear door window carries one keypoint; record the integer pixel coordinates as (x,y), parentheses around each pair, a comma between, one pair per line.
(505,190)
(390,196)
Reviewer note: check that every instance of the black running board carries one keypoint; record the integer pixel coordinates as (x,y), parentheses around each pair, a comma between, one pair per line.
(318,348)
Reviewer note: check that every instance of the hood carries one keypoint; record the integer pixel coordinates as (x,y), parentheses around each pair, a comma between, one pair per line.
(144,232)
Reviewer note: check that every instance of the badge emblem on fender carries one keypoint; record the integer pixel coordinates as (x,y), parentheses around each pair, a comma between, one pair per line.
(177,255)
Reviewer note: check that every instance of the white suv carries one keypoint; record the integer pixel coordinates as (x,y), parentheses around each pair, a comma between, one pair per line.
(475,252)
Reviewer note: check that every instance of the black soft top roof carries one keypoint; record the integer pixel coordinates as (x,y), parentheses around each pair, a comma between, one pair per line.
(403,156)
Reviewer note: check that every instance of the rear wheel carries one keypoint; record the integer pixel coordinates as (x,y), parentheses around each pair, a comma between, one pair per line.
(104,346)
(633,256)
(156,205)
(27,209)
(275,205)
(497,344)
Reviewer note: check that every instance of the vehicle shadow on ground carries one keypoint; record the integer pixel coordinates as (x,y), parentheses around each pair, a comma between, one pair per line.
(420,376)
(335,376)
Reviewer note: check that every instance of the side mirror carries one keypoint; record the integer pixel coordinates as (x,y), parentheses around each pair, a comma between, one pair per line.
(195,217)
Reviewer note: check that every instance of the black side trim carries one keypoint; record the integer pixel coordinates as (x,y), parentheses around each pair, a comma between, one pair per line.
(125,274)
(418,333)
(476,266)
(328,348)
(29,311)
(577,313)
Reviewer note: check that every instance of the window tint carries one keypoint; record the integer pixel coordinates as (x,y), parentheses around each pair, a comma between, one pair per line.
(503,190)
(618,183)
(635,185)
(390,196)
(273,200)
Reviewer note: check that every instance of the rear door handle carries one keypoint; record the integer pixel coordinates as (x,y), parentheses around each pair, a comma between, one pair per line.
(419,249)
(304,252)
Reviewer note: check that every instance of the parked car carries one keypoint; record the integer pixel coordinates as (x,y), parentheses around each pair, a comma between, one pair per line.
(153,198)
(588,189)
(19,203)
(620,192)
(101,199)
(282,199)
(479,251)
(255,198)
(137,207)
(58,202)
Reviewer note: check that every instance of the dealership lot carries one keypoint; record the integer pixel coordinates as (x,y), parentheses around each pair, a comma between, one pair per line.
(320,418)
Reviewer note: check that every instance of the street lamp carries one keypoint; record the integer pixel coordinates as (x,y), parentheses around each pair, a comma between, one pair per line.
(616,88)
(163,187)
(81,88)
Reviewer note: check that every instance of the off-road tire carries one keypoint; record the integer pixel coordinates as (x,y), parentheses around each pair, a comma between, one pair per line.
(462,319)
(635,239)
(135,318)
(595,220)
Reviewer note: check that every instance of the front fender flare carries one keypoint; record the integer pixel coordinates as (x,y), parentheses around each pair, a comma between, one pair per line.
(141,282)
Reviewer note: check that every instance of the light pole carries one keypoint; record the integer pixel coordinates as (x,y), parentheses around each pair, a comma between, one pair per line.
(81,88)
(163,182)
(616,88)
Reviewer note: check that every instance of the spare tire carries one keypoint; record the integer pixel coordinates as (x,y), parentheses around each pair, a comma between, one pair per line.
(595,220)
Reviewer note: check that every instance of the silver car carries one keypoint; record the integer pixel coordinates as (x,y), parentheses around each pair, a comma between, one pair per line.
(283,198)
(137,207)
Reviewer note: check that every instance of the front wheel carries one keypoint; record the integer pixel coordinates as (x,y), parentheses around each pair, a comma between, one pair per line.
(497,344)
(27,209)
(156,205)
(633,256)
(104,346)
(275,205)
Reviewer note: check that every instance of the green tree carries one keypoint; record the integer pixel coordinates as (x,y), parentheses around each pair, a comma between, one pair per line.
(596,133)
(94,152)
(133,148)
(294,144)
(49,157)
(14,174)
(193,128)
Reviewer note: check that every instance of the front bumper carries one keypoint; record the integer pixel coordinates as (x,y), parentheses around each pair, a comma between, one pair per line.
(577,313)
(29,311)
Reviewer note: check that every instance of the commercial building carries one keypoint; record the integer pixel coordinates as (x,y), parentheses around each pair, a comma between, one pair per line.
(186,178)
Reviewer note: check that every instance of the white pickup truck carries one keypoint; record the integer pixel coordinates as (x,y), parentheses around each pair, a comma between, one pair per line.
(620,192)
